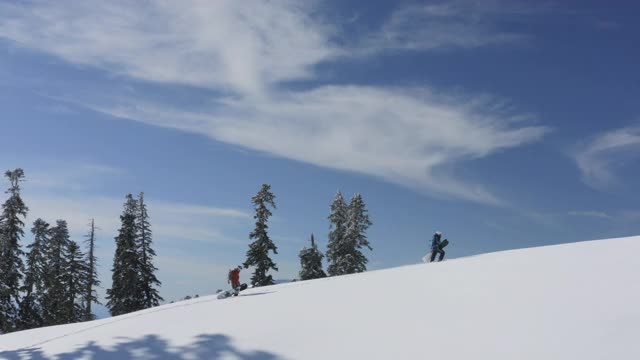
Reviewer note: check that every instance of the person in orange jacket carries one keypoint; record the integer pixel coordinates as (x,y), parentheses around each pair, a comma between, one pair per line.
(234,277)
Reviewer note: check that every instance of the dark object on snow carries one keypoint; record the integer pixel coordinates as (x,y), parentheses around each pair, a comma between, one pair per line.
(235,292)
(239,288)
(437,246)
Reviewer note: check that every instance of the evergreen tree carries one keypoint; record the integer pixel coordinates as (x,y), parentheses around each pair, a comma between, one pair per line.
(124,295)
(347,236)
(258,253)
(74,282)
(91,281)
(33,288)
(311,262)
(149,281)
(11,265)
(55,299)
(357,224)
(338,248)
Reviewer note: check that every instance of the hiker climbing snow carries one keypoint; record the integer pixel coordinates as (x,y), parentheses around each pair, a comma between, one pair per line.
(437,246)
(234,279)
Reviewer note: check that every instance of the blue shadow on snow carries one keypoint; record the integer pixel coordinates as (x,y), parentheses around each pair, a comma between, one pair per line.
(149,347)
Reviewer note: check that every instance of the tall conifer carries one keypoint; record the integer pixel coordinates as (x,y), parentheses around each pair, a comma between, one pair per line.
(11,266)
(91,281)
(34,287)
(148,280)
(124,295)
(258,253)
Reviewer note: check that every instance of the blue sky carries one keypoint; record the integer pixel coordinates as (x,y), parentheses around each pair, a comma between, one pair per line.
(502,124)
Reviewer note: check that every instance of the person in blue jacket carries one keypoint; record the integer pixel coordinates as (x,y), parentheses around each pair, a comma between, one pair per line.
(436,248)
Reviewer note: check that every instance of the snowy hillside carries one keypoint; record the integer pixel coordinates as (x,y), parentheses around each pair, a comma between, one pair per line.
(575,301)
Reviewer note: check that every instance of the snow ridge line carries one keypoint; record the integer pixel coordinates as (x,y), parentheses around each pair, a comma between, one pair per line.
(290,285)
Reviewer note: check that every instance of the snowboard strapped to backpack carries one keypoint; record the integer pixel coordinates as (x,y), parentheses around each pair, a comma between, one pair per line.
(427,258)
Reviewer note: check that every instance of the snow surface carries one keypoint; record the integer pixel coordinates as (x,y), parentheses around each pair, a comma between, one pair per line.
(573,301)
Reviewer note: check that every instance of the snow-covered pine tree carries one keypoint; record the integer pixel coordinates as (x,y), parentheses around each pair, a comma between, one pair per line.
(347,236)
(357,224)
(33,287)
(74,280)
(55,296)
(124,295)
(149,281)
(91,281)
(338,249)
(258,253)
(11,265)
(311,262)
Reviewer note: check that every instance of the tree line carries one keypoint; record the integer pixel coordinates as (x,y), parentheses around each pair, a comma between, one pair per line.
(54,282)
(347,237)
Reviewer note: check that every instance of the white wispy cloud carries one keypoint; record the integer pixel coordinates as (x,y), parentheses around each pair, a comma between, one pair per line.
(599,158)
(445,25)
(64,191)
(224,44)
(173,221)
(587,213)
(408,136)
(70,176)
(403,136)
(189,209)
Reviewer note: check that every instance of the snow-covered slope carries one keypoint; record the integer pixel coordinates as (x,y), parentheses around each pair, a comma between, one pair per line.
(575,301)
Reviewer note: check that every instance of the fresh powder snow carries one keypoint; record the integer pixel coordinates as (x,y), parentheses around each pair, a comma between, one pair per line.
(573,301)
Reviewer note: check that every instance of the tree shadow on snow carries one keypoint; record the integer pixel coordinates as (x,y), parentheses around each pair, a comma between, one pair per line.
(150,347)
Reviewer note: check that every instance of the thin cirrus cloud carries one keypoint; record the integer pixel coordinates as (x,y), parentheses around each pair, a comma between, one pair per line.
(599,159)
(69,176)
(591,214)
(445,25)
(213,44)
(173,220)
(54,190)
(404,135)
(400,136)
